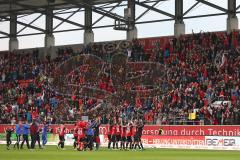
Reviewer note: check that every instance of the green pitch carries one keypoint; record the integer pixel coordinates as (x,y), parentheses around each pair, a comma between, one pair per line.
(51,153)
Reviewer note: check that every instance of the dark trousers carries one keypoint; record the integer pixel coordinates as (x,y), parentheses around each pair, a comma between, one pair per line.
(9,142)
(61,141)
(75,142)
(18,141)
(114,138)
(90,141)
(33,141)
(25,139)
(38,140)
(35,138)
(109,141)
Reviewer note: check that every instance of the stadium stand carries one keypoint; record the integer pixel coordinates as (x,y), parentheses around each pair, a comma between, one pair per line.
(201,77)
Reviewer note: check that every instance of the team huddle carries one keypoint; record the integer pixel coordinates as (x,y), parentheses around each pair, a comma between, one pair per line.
(121,135)
(128,134)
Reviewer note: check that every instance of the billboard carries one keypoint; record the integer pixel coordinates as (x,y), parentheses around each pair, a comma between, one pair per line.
(168,130)
(185,137)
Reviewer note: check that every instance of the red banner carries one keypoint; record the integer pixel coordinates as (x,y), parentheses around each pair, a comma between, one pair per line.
(150,43)
(25,83)
(167,130)
(188,130)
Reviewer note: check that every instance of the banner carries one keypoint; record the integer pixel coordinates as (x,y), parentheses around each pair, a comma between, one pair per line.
(188,130)
(186,142)
(25,83)
(173,130)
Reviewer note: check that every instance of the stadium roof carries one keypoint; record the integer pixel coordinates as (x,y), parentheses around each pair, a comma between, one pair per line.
(27,6)
(58,12)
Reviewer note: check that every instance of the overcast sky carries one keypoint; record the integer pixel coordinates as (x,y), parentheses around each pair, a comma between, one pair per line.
(217,23)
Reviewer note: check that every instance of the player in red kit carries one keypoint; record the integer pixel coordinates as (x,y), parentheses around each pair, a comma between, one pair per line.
(129,135)
(61,137)
(138,135)
(118,134)
(75,135)
(123,135)
(109,133)
(113,133)
(96,132)
(81,135)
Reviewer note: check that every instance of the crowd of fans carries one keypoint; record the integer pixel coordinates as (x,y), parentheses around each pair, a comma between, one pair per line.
(199,69)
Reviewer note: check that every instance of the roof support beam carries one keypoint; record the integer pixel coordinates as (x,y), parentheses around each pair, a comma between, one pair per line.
(97,10)
(88,33)
(154,9)
(72,14)
(147,10)
(37,10)
(132,29)
(104,15)
(179,11)
(232,8)
(179,26)
(213,5)
(193,6)
(25,24)
(13,41)
(232,20)
(49,37)
(4,33)
(237,7)
(30,23)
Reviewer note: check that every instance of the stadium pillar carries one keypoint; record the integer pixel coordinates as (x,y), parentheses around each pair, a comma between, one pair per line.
(132,34)
(132,29)
(49,37)
(88,33)
(179,26)
(13,41)
(232,20)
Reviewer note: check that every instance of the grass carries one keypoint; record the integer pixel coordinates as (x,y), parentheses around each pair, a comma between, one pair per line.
(51,153)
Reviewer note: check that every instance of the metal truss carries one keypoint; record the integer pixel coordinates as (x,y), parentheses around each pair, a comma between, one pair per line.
(103,8)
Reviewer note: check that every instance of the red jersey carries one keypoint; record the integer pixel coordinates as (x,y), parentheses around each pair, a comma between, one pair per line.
(81,133)
(109,130)
(118,130)
(129,131)
(62,131)
(75,131)
(81,126)
(114,130)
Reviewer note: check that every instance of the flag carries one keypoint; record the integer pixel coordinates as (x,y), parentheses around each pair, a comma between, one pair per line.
(192,116)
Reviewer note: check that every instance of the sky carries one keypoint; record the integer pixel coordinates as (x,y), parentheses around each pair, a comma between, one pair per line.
(217,23)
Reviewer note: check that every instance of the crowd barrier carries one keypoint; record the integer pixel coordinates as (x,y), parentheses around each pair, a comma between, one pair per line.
(182,137)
